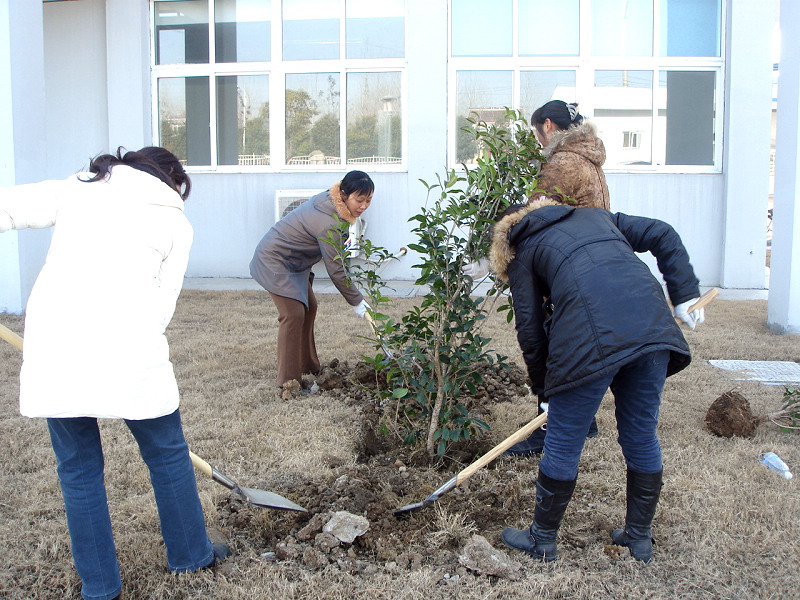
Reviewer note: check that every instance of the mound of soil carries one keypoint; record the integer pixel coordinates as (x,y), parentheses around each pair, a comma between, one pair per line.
(386,476)
(730,415)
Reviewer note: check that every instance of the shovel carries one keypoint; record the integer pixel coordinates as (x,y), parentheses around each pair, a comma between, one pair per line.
(484,460)
(257,497)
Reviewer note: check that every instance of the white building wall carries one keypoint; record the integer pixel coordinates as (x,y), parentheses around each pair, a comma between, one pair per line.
(97,73)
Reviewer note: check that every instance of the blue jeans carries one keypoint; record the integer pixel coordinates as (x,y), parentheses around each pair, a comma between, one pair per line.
(79,453)
(637,391)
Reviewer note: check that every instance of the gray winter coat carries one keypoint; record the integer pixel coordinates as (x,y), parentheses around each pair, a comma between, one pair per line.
(283,258)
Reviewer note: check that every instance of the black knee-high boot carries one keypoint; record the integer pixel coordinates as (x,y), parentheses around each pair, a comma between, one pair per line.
(642,497)
(539,540)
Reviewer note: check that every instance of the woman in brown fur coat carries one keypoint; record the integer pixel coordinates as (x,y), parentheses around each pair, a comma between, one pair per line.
(573,172)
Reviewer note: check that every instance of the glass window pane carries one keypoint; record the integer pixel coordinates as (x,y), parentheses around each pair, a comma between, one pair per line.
(242,30)
(622,27)
(375,29)
(183,118)
(482,28)
(623,114)
(243,120)
(374,123)
(486,93)
(538,87)
(686,110)
(181,30)
(690,28)
(310,29)
(312,119)
(536,39)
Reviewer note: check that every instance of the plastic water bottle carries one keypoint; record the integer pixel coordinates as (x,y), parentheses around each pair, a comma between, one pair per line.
(774,462)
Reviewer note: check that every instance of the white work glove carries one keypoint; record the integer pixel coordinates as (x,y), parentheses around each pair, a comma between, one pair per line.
(692,319)
(477,269)
(361,308)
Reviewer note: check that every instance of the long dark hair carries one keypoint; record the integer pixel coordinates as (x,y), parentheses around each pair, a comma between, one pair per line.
(154,160)
(559,112)
(357,182)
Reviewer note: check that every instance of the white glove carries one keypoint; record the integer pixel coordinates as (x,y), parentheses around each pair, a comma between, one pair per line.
(692,319)
(361,308)
(477,269)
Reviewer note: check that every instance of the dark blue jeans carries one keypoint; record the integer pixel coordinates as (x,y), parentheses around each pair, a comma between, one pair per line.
(76,443)
(637,391)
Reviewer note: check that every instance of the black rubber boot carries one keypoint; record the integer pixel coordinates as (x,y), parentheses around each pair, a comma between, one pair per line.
(539,540)
(593,431)
(642,497)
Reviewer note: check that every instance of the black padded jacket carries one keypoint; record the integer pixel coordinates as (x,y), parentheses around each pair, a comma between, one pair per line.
(584,303)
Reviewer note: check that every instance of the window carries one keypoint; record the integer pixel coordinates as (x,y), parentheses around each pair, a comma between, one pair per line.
(648,73)
(280,84)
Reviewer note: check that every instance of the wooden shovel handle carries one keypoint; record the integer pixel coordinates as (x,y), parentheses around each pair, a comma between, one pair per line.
(201,465)
(702,301)
(484,460)
(12,338)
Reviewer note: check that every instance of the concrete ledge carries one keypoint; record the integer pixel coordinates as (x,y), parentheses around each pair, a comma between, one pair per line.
(407,289)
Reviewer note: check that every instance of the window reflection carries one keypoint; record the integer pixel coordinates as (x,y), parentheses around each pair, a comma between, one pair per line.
(243,120)
(482,95)
(375,29)
(538,33)
(538,87)
(242,30)
(690,28)
(310,30)
(622,27)
(623,114)
(181,31)
(183,118)
(374,118)
(312,119)
(481,28)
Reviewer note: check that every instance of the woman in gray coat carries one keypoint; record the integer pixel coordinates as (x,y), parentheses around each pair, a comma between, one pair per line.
(282,265)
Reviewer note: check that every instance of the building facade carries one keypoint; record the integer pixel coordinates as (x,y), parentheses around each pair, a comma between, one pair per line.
(262,98)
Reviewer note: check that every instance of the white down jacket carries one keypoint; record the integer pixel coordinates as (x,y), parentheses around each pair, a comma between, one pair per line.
(94,342)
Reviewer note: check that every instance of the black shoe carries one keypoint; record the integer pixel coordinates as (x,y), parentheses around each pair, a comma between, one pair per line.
(221,552)
(534,444)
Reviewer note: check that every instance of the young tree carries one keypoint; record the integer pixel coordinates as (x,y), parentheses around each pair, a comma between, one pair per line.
(429,356)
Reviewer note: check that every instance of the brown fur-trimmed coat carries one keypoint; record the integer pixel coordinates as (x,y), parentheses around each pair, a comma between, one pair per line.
(283,258)
(575,158)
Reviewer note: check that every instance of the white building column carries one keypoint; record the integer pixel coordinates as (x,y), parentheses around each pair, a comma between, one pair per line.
(783,313)
(22,137)
(128,73)
(748,128)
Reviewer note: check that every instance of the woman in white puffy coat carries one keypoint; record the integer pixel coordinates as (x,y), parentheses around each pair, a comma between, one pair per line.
(95,345)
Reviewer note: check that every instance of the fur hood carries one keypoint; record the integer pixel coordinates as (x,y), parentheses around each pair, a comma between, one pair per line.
(339,205)
(581,139)
(502,252)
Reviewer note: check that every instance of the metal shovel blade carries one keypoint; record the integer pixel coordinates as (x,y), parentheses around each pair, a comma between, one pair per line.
(429,500)
(253,496)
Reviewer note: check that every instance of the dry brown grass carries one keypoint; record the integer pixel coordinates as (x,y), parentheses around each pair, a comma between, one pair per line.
(726,527)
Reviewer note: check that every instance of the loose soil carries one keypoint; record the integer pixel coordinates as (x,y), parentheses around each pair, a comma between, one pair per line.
(388,475)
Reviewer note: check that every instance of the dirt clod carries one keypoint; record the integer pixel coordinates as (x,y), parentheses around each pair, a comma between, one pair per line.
(730,415)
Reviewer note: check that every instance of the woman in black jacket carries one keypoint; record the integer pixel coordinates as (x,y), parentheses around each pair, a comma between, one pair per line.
(604,323)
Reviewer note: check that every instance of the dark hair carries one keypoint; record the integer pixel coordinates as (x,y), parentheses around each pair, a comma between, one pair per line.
(357,182)
(559,112)
(154,160)
(511,209)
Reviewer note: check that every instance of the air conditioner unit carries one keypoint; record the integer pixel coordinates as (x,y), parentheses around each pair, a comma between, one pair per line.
(287,200)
